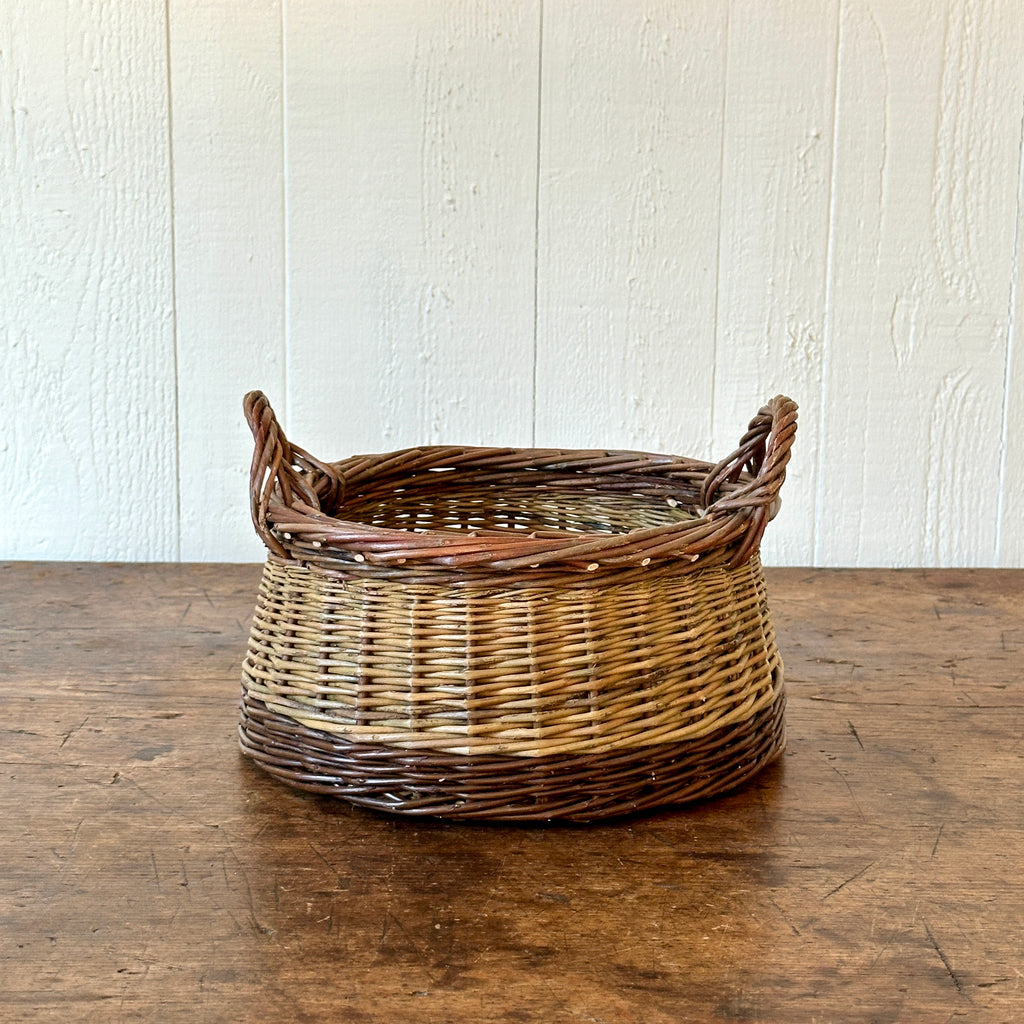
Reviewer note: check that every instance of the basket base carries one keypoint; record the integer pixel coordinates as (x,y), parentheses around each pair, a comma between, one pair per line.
(575,787)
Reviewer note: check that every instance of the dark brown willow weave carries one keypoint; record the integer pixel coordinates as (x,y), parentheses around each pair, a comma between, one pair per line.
(514,634)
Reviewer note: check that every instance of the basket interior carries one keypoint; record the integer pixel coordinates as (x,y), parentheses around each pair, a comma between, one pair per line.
(477,505)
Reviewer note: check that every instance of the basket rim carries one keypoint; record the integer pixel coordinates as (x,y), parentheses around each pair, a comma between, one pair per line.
(732,500)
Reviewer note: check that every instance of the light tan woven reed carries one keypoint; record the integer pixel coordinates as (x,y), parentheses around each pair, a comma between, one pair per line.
(515,621)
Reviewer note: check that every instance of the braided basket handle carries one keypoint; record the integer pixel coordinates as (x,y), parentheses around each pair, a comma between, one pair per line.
(282,472)
(764,450)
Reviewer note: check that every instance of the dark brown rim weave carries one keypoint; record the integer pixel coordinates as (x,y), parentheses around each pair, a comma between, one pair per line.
(514,634)
(569,788)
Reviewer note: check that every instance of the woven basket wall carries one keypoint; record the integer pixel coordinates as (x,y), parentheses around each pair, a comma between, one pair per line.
(514,634)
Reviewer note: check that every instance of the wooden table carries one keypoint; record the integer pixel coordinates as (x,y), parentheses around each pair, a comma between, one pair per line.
(150,873)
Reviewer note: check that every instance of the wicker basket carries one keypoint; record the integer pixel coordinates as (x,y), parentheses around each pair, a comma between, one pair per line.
(514,634)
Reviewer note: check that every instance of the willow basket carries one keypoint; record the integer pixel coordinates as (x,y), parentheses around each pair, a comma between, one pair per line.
(514,634)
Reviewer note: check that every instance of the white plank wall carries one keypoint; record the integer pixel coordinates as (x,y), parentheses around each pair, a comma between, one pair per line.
(228,148)
(769,322)
(513,221)
(1009,511)
(631,142)
(412,141)
(921,263)
(86,282)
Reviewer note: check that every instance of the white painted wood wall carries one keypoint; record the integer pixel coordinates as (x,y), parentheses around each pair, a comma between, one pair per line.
(601,223)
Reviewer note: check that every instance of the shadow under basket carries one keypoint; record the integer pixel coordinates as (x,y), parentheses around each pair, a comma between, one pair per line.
(514,634)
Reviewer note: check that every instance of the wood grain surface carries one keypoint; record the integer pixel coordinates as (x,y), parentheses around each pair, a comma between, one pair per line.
(148,872)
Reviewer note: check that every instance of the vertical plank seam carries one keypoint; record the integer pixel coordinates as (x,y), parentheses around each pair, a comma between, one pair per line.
(1004,431)
(718,254)
(536,225)
(286,310)
(819,485)
(172,212)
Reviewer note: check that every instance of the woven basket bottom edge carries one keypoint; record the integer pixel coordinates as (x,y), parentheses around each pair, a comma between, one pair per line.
(574,788)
